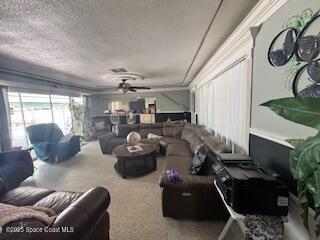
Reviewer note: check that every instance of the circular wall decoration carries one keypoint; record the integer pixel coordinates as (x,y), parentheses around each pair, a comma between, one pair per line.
(285,42)
(303,42)
(306,82)
(308,45)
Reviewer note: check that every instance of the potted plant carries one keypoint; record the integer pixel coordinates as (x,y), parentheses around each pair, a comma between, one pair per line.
(305,157)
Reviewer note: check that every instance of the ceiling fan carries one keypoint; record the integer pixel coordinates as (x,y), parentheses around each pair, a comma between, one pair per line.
(124,87)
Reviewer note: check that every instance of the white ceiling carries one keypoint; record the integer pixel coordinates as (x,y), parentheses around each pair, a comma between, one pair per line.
(79,41)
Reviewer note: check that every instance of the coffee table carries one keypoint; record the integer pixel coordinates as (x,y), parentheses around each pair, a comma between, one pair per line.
(135,163)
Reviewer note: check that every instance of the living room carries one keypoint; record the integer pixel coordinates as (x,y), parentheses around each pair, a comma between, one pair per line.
(159,119)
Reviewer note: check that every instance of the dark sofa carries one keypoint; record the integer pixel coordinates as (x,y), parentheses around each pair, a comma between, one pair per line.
(195,197)
(110,141)
(84,214)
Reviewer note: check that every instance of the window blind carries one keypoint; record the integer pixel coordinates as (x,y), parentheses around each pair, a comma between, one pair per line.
(223,106)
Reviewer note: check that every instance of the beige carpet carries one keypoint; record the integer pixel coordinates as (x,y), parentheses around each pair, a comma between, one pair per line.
(135,209)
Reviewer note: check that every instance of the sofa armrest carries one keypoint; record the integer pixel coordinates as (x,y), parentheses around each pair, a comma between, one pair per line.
(104,142)
(15,155)
(83,215)
(74,140)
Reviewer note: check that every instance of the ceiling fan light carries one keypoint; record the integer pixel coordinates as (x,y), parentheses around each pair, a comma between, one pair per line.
(123,90)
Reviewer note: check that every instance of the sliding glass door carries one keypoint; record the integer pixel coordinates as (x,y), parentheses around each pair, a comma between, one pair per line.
(36,108)
(18,133)
(28,109)
(62,112)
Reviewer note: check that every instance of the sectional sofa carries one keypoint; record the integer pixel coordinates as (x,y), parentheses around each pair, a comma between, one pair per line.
(195,197)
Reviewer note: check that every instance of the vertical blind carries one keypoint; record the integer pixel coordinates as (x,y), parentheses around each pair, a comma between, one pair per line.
(222,105)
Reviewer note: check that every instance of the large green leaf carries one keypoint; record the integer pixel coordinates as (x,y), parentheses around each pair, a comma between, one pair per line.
(305,168)
(305,111)
(295,142)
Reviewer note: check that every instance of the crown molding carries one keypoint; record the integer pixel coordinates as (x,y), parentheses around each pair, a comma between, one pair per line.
(239,44)
(14,78)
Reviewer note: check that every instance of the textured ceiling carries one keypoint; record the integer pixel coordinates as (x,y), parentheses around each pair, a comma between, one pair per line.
(79,41)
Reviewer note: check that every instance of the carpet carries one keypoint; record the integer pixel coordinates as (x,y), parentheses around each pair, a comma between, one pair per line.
(135,209)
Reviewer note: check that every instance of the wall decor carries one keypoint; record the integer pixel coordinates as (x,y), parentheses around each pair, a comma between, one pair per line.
(298,45)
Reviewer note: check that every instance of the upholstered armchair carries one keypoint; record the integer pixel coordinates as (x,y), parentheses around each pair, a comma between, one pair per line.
(50,144)
(100,126)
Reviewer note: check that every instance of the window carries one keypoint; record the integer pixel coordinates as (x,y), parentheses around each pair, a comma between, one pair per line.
(36,108)
(223,106)
(18,133)
(28,109)
(62,112)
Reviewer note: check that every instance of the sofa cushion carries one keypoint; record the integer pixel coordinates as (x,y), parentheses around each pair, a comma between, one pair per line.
(153,141)
(25,196)
(172,131)
(165,141)
(188,132)
(58,201)
(145,131)
(216,145)
(194,142)
(179,163)
(179,149)
(125,129)
(66,138)
(182,165)
(174,124)
(150,125)
(202,132)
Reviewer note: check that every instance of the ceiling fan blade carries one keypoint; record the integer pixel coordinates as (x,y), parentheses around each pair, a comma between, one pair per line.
(132,89)
(141,87)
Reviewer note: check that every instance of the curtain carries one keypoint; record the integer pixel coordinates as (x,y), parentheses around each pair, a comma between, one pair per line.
(5,137)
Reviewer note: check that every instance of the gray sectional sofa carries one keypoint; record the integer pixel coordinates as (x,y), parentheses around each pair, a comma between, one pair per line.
(195,197)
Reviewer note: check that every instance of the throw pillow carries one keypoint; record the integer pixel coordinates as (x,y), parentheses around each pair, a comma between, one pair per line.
(199,160)
(154,136)
(66,138)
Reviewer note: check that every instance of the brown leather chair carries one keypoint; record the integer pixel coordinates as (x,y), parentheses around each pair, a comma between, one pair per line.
(79,215)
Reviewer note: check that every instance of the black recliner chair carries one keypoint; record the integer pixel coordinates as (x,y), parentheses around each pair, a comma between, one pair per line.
(15,167)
